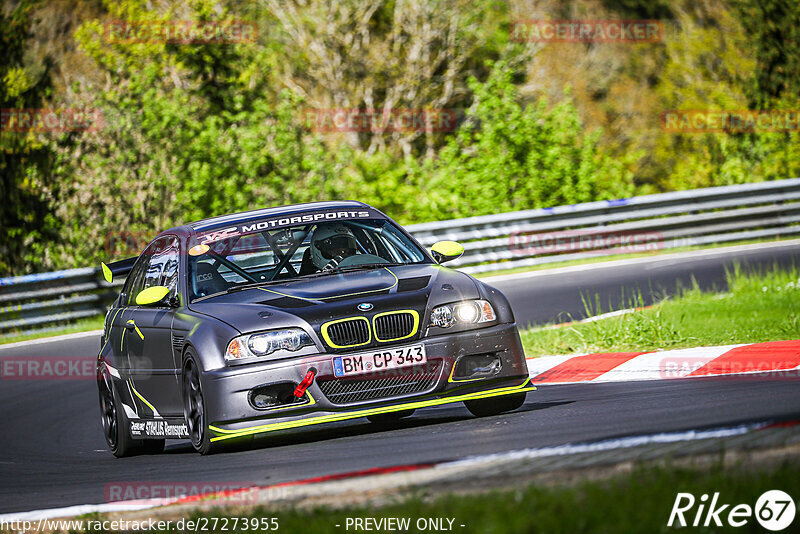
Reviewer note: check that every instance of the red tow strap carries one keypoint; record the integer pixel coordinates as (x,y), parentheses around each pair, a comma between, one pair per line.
(301,388)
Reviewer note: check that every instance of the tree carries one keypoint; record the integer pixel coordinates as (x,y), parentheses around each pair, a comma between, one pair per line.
(509,155)
(25,157)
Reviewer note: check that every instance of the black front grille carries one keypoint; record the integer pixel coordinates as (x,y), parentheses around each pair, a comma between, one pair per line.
(403,381)
(394,326)
(348,333)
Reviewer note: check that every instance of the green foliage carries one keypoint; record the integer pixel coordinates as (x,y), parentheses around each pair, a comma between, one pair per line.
(774,28)
(192,131)
(509,155)
(25,158)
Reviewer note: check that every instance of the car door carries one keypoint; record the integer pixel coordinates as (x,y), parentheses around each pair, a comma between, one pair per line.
(148,333)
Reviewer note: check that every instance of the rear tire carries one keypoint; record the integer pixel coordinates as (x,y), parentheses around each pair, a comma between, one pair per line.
(495,405)
(389,417)
(194,406)
(116,425)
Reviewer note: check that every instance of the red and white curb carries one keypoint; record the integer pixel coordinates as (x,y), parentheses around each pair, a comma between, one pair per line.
(755,358)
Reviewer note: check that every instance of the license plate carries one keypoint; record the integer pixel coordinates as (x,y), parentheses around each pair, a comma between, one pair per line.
(379,360)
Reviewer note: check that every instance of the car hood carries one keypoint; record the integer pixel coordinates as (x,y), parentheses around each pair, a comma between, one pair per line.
(314,301)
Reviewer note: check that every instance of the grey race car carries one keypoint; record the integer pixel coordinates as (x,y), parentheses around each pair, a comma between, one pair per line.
(281,318)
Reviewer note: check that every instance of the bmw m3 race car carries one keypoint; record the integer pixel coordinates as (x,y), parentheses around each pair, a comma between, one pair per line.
(281,318)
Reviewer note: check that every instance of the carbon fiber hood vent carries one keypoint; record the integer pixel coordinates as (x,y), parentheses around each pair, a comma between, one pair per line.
(413,284)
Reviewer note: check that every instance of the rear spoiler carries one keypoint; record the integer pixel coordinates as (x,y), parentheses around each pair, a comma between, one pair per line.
(117,268)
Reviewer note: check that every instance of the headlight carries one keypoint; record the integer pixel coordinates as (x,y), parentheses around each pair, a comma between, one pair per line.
(266,343)
(467,312)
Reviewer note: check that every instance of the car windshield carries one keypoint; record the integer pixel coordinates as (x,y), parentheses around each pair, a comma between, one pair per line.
(221,262)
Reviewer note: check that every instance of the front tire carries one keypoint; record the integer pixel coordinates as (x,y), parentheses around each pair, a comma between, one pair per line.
(495,405)
(116,424)
(194,407)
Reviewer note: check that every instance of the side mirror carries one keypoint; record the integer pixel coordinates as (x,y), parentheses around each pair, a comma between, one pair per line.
(446,250)
(152,295)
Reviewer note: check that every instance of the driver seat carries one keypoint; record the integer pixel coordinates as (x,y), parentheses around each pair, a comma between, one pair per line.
(208,281)
(307,266)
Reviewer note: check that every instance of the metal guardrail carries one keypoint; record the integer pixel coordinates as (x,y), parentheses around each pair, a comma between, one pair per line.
(494,242)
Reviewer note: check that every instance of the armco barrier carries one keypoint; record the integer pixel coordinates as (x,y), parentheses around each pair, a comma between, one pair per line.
(495,242)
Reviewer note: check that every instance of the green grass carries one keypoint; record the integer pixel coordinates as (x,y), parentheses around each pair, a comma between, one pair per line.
(83,325)
(616,257)
(759,306)
(639,501)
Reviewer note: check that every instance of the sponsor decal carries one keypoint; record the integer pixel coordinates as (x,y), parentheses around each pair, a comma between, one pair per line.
(586,31)
(158,428)
(279,222)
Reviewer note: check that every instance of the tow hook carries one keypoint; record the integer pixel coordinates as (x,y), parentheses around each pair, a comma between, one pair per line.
(301,388)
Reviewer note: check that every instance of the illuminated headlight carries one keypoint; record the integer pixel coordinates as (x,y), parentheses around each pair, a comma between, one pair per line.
(266,343)
(467,312)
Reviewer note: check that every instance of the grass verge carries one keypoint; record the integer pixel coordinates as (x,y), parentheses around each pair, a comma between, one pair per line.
(759,306)
(638,501)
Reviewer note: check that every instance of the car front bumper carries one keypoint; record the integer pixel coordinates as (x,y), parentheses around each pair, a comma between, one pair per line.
(231,414)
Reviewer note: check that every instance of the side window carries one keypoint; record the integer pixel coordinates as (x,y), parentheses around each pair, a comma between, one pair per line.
(158,266)
(133,285)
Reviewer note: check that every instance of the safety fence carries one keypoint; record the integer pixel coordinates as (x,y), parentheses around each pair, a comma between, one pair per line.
(498,242)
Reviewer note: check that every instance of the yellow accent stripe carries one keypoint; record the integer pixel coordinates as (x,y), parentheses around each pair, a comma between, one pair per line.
(108,333)
(452,372)
(311,402)
(142,398)
(326,337)
(413,330)
(131,321)
(336,296)
(363,413)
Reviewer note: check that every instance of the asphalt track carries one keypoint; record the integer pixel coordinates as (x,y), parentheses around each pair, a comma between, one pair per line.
(52,452)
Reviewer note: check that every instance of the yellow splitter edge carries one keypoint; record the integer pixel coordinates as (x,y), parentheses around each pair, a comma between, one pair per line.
(228,434)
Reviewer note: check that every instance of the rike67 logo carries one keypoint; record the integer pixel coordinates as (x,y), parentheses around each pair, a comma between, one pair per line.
(774,510)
